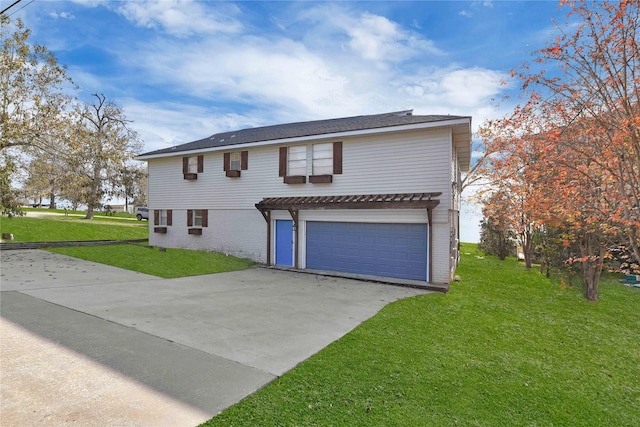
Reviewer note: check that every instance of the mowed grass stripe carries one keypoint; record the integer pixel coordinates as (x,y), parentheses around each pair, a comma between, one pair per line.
(168,263)
(61,228)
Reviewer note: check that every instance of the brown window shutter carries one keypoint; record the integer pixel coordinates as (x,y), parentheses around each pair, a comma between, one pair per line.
(283,161)
(244,160)
(185,165)
(156,217)
(189,218)
(337,158)
(200,163)
(227,161)
(169,217)
(205,218)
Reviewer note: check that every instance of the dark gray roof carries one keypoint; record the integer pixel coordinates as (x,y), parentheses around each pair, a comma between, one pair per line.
(302,129)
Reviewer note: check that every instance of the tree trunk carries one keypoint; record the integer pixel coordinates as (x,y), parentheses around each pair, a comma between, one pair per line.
(592,256)
(95,195)
(633,243)
(52,200)
(527,248)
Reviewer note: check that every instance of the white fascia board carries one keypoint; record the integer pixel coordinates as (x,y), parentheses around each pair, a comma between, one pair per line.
(336,135)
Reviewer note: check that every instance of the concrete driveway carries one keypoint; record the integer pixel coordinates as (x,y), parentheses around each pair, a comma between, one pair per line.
(86,343)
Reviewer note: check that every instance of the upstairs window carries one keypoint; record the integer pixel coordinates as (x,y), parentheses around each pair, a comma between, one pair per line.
(297,161)
(323,159)
(235,162)
(192,166)
(293,164)
(326,161)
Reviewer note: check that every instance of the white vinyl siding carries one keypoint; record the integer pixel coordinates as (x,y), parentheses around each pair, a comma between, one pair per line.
(322,159)
(297,160)
(413,162)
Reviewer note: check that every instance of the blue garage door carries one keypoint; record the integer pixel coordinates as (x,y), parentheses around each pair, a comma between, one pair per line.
(390,250)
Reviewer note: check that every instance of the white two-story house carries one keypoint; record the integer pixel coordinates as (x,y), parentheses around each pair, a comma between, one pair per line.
(372,196)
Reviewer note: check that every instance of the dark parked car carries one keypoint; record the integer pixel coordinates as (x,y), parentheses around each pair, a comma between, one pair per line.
(142,213)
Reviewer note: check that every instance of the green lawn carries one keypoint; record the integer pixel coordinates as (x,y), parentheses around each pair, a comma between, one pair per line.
(97,214)
(505,347)
(60,228)
(169,264)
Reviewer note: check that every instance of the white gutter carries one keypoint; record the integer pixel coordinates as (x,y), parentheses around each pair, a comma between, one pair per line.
(335,135)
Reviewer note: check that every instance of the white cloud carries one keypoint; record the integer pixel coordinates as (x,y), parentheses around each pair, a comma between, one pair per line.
(465,13)
(300,80)
(61,15)
(377,38)
(280,74)
(471,87)
(165,124)
(176,17)
(452,89)
(181,17)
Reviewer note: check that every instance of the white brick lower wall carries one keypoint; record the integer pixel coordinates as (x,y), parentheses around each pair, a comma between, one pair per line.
(241,233)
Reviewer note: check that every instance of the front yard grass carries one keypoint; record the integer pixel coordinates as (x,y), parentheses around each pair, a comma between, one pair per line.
(505,347)
(169,264)
(61,228)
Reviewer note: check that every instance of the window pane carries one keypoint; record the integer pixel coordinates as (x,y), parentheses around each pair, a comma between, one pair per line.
(163,217)
(297,168)
(197,218)
(235,162)
(323,159)
(193,164)
(322,150)
(297,161)
(323,167)
(298,153)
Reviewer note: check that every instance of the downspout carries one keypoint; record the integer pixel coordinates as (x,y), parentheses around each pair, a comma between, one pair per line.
(429,246)
(294,216)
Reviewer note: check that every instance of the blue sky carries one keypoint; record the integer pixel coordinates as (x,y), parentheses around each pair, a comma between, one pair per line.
(184,70)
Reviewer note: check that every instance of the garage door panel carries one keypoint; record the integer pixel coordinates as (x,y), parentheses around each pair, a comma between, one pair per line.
(392,250)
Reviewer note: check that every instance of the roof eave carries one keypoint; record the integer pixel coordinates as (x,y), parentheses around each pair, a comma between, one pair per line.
(462,138)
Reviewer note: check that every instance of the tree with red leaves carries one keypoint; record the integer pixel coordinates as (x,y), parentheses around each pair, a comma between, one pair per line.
(574,146)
